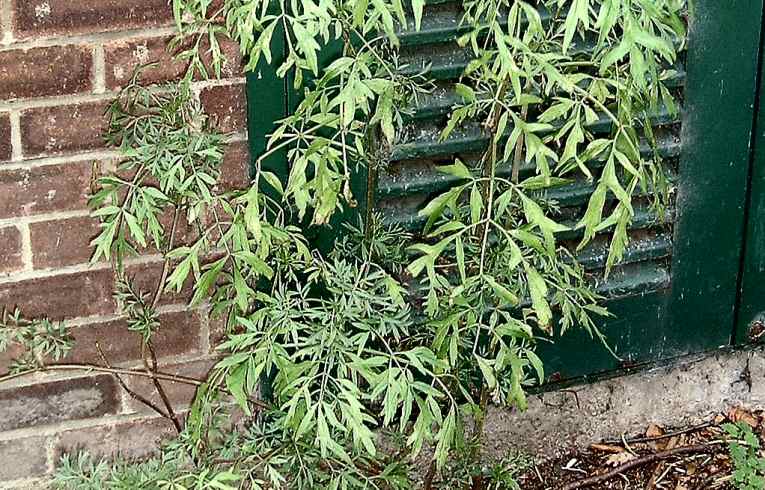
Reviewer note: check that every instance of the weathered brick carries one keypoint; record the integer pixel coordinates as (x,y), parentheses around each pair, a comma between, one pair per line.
(135,439)
(44,189)
(179,394)
(5,137)
(61,129)
(49,71)
(35,18)
(63,242)
(62,296)
(23,458)
(123,56)
(227,105)
(142,438)
(146,276)
(10,250)
(235,169)
(57,401)
(14,351)
(178,334)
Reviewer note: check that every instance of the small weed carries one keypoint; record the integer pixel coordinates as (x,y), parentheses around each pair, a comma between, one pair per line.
(748,464)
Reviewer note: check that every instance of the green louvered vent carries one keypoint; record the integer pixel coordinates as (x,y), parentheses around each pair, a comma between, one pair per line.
(410,179)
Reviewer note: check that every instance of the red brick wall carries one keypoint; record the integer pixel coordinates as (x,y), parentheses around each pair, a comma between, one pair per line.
(60,62)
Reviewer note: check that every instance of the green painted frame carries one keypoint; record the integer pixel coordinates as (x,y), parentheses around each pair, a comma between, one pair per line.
(750,315)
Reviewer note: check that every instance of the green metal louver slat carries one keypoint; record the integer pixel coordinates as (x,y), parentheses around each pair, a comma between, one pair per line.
(411,178)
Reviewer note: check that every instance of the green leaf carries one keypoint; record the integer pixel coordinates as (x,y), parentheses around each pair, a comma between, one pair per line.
(417,8)
(538,292)
(505,294)
(206,281)
(457,169)
(235,382)
(487,371)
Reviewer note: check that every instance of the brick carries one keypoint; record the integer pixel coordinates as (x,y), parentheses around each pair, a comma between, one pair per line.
(141,439)
(124,56)
(179,394)
(10,250)
(62,296)
(14,351)
(34,18)
(132,440)
(146,276)
(63,242)
(23,458)
(178,334)
(227,105)
(5,137)
(44,189)
(50,71)
(235,168)
(58,401)
(63,129)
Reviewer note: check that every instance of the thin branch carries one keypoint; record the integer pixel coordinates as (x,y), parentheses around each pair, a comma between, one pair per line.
(166,264)
(175,378)
(101,369)
(125,387)
(152,369)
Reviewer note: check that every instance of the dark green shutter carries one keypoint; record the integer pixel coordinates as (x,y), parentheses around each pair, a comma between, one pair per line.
(676,290)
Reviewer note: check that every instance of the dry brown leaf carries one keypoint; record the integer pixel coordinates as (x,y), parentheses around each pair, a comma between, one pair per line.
(738,414)
(619,459)
(607,448)
(654,431)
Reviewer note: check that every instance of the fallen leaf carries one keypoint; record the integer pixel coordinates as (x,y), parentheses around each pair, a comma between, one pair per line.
(607,448)
(654,431)
(738,414)
(619,459)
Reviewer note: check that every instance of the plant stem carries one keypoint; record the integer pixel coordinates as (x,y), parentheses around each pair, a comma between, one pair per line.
(125,387)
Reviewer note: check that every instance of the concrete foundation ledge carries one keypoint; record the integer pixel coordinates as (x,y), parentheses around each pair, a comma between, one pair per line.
(687,392)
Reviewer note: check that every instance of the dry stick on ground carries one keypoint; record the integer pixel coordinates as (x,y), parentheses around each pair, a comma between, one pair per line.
(639,440)
(650,458)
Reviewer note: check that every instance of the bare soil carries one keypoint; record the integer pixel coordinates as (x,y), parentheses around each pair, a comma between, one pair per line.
(659,458)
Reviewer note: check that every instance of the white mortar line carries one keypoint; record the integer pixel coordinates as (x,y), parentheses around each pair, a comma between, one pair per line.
(50,452)
(99,69)
(53,101)
(57,101)
(75,269)
(16,151)
(101,37)
(38,218)
(204,330)
(60,159)
(67,425)
(26,247)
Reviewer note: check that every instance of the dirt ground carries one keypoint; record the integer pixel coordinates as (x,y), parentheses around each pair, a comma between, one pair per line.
(659,458)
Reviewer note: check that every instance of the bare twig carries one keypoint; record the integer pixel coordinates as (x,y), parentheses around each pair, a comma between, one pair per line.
(125,387)
(101,369)
(152,369)
(639,440)
(166,264)
(650,458)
